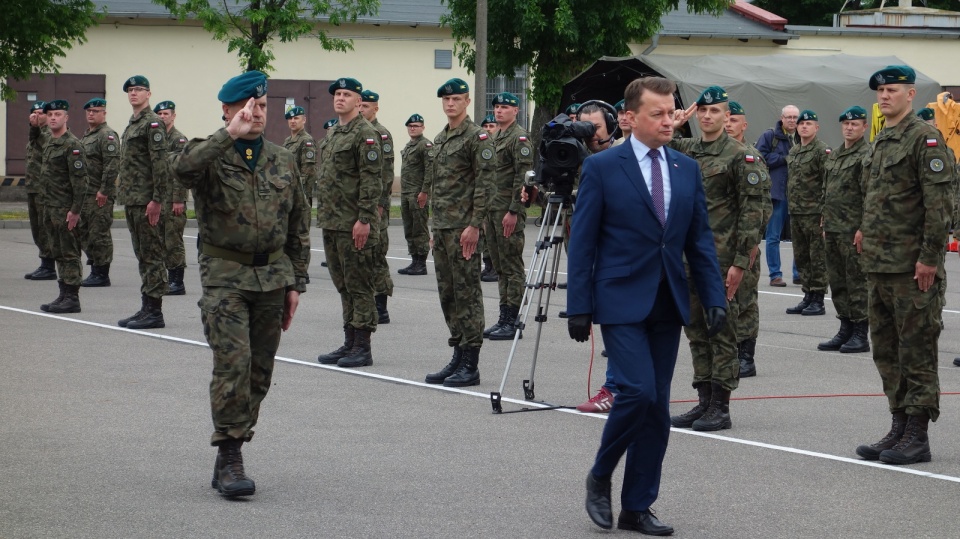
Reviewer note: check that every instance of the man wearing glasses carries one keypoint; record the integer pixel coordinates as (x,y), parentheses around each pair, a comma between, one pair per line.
(774,144)
(101,146)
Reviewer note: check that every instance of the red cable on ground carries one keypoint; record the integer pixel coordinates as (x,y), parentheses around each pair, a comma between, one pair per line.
(826,396)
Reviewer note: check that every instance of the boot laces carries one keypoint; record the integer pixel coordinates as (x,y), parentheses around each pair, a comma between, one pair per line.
(234,460)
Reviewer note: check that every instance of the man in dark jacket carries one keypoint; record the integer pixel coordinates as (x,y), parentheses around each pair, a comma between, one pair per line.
(774,144)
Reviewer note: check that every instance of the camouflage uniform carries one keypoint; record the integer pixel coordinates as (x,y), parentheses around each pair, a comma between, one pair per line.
(842,212)
(256,247)
(144,177)
(907,203)
(734,182)
(174,253)
(64,180)
(38,138)
(415,230)
(748,322)
(101,147)
(805,167)
(349,190)
(304,149)
(383,283)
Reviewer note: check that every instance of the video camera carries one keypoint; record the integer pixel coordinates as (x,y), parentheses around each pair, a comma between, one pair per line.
(562,151)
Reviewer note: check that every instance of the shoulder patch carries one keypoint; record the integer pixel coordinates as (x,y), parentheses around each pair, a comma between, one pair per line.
(429,145)
(309,143)
(931,142)
(370,141)
(524,151)
(110,137)
(183,140)
(487,153)
(384,137)
(749,158)
(827,150)
(483,136)
(936,165)
(157,137)
(111,147)
(76,152)
(310,155)
(372,155)
(523,138)
(387,147)
(753,178)
(154,124)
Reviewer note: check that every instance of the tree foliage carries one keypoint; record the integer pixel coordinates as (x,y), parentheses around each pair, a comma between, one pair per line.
(38,32)
(248,27)
(820,12)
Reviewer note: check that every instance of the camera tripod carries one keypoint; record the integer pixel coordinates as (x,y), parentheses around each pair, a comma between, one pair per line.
(541,276)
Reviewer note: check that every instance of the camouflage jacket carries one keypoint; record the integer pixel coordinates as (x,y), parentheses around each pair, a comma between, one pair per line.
(64,173)
(259,211)
(176,192)
(322,155)
(412,166)
(735,183)
(805,177)
(386,145)
(907,198)
(101,148)
(842,191)
(766,181)
(304,149)
(37,138)
(514,159)
(459,175)
(351,182)
(144,173)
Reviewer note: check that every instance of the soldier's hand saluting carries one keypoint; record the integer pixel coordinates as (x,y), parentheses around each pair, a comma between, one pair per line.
(242,121)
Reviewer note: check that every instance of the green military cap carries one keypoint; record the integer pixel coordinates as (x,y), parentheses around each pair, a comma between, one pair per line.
(453,87)
(56,104)
(713,94)
(572,109)
(95,102)
(136,80)
(619,106)
(855,112)
(489,119)
(165,105)
(808,116)
(368,96)
(926,114)
(416,118)
(893,75)
(37,105)
(294,112)
(330,123)
(244,86)
(506,98)
(346,83)
(736,109)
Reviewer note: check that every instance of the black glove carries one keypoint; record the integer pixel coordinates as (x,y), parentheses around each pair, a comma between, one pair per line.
(579,327)
(716,319)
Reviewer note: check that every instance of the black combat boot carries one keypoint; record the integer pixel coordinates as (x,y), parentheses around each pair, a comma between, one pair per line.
(747,367)
(406,270)
(70,302)
(804,303)
(441,375)
(333,357)
(872,451)
(685,421)
(99,276)
(489,275)
(143,307)
(508,328)
(176,288)
(46,272)
(841,338)
(63,292)
(231,479)
(914,446)
(499,323)
(152,316)
(468,374)
(717,416)
(419,265)
(382,313)
(859,342)
(359,355)
(816,307)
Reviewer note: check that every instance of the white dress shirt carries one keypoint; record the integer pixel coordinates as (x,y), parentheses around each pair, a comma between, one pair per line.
(641,150)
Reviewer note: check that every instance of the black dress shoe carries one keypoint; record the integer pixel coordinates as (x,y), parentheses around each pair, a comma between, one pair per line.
(644,522)
(598,501)
(956,362)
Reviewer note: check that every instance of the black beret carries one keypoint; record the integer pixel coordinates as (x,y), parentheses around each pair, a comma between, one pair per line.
(346,83)
(244,86)
(416,118)
(136,80)
(453,87)
(294,112)
(165,105)
(95,102)
(893,75)
(56,104)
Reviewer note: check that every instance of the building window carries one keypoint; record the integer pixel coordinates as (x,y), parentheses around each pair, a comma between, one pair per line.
(517,85)
(442,59)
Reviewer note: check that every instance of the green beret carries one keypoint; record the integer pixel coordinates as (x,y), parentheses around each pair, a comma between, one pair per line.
(165,105)
(330,123)
(808,116)
(368,96)
(619,106)
(136,80)
(37,105)
(416,118)
(572,109)
(294,112)
(95,102)
(713,94)
(926,114)
(346,83)
(736,109)
(489,119)
(56,104)
(854,113)
(242,87)
(893,75)
(453,87)
(506,98)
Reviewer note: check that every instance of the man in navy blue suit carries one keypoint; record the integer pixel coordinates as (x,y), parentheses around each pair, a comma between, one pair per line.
(640,209)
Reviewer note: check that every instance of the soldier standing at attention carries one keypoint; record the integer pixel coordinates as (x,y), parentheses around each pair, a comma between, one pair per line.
(842,214)
(64,181)
(461,172)
(506,215)
(101,148)
(908,198)
(41,236)
(412,169)
(383,283)
(350,188)
(145,177)
(301,143)
(734,187)
(327,126)
(624,124)
(488,273)
(174,213)
(805,203)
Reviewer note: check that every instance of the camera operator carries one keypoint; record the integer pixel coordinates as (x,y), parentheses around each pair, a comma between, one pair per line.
(595,114)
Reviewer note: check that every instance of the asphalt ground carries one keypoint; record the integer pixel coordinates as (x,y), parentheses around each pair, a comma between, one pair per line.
(104,432)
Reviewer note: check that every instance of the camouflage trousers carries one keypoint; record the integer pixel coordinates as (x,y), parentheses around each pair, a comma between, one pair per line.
(38,225)
(507,257)
(94,230)
(904,331)
(415,229)
(458,282)
(65,246)
(174,253)
(352,273)
(848,282)
(243,330)
(714,358)
(382,281)
(808,252)
(148,246)
(748,322)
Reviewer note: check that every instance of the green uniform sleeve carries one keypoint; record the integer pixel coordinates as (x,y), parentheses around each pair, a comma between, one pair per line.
(371,175)
(388,155)
(308,165)
(485,162)
(157,147)
(936,181)
(750,186)
(429,154)
(522,162)
(110,150)
(78,175)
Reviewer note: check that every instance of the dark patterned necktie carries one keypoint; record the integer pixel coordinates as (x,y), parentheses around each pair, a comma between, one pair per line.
(656,181)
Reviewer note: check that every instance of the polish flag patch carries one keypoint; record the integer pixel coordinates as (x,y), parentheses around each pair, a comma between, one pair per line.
(483,136)
(76,152)
(931,142)
(370,141)
(828,151)
(523,139)
(154,124)
(384,137)
(183,140)
(109,137)
(309,144)
(750,159)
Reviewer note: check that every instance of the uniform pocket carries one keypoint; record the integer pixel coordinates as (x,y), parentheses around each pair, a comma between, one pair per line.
(231,187)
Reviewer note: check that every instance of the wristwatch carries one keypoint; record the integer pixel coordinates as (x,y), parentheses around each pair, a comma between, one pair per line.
(364,220)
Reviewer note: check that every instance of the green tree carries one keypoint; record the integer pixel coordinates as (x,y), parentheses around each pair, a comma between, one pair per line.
(38,32)
(248,27)
(820,12)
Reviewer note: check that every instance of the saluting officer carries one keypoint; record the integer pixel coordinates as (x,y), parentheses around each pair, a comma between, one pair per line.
(412,170)
(383,283)
(174,205)
(101,148)
(41,236)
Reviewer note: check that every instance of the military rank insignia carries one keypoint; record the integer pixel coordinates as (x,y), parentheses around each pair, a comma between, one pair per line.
(249,154)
